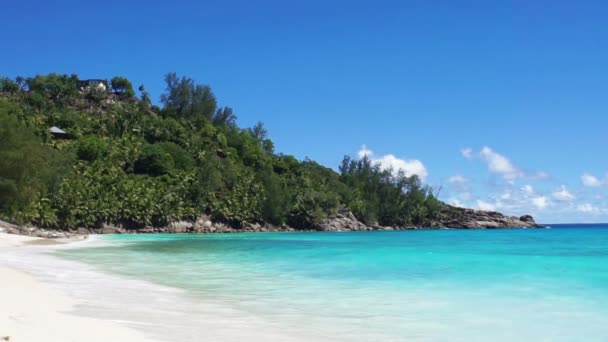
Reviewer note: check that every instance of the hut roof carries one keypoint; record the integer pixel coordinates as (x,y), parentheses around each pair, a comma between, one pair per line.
(56,130)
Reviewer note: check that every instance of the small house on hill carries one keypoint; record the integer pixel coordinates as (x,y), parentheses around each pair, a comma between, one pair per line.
(86,85)
(58,133)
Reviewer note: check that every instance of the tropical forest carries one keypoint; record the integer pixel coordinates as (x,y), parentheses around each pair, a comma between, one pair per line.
(84,153)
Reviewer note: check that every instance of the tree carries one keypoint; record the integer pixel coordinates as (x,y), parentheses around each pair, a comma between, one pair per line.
(28,168)
(145,96)
(268,146)
(122,86)
(177,95)
(258,131)
(20,80)
(154,161)
(54,85)
(184,98)
(203,101)
(385,197)
(91,148)
(60,89)
(224,116)
(8,85)
(181,158)
(277,200)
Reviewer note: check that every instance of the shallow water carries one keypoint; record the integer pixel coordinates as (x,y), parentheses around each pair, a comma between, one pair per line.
(457,285)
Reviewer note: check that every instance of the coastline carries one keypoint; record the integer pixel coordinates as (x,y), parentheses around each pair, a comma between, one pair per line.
(343,221)
(34,311)
(48,299)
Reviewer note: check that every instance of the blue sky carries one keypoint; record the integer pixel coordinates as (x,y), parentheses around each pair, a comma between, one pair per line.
(520,86)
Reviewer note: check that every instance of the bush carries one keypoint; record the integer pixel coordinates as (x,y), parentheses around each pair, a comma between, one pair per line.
(277,200)
(8,85)
(8,191)
(27,167)
(91,148)
(122,86)
(59,88)
(181,158)
(154,161)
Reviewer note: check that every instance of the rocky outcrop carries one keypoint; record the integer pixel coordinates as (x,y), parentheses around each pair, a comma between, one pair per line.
(180,227)
(109,230)
(203,224)
(343,220)
(34,231)
(5,226)
(456,217)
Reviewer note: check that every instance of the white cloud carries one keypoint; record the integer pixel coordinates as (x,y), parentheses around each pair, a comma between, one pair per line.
(497,163)
(540,202)
(563,202)
(409,166)
(591,180)
(527,189)
(563,194)
(456,202)
(483,205)
(467,152)
(586,208)
(364,152)
(458,179)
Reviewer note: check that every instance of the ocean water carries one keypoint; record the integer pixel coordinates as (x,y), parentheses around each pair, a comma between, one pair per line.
(428,285)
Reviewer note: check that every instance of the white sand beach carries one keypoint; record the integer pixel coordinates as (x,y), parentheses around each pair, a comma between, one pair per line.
(31,311)
(44,298)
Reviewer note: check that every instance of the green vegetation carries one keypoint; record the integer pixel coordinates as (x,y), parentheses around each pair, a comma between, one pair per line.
(122,86)
(91,148)
(125,161)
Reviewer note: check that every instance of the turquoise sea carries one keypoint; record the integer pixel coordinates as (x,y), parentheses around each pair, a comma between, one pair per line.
(426,285)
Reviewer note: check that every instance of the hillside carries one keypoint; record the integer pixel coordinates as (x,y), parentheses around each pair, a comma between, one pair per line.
(91,154)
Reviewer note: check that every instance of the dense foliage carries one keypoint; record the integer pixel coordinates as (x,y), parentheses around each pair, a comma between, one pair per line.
(125,161)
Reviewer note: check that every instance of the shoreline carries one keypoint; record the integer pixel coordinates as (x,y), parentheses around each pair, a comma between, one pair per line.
(46,298)
(34,311)
(50,235)
(190,314)
(343,221)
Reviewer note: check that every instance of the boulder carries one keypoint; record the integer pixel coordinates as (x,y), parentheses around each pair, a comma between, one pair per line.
(252,227)
(343,220)
(6,226)
(527,218)
(179,227)
(108,230)
(488,224)
(12,231)
(220,228)
(83,231)
(203,224)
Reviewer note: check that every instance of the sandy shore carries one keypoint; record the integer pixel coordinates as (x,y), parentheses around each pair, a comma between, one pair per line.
(31,311)
(46,299)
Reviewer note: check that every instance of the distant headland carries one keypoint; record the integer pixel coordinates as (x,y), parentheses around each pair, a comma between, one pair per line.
(92,156)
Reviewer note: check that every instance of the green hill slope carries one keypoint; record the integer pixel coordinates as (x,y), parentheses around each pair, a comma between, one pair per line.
(124,161)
